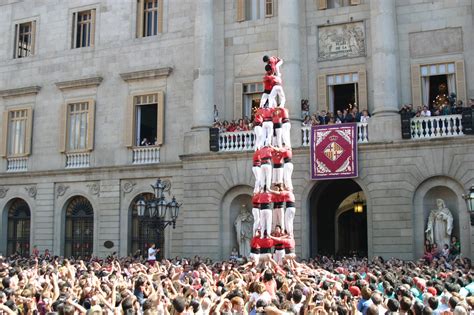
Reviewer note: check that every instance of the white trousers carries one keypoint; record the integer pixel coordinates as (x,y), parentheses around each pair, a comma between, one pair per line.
(285,134)
(277,177)
(257,172)
(277,90)
(266,221)
(256,219)
(289,218)
(278,218)
(266,176)
(278,141)
(267,133)
(287,173)
(277,66)
(259,139)
(255,258)
(279,255)
(264,99)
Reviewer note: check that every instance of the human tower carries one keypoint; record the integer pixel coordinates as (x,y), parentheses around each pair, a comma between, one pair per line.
(273,199)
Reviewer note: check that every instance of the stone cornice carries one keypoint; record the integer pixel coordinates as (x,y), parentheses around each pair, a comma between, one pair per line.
(20,91)
(146,74)
(79,84)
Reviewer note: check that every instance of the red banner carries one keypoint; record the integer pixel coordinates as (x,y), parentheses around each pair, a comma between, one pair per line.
(334,151)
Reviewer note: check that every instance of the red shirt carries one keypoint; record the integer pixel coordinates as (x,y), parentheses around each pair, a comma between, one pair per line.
(287,196)
(277,198)
(255,200)
(277,116)
(258,118)
(267,113)
(272,61)
(256,159)
(269,81)
(265,153)
(254,242)
(277,157)
(265,242)
(265,197)
(288,242)
(287,154)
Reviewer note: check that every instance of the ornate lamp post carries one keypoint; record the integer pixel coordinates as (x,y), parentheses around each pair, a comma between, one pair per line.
(469,197)
(358,204)
(155,217)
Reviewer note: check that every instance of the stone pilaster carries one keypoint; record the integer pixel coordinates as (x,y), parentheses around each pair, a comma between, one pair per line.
(289,50)
(385,125)
(197,140)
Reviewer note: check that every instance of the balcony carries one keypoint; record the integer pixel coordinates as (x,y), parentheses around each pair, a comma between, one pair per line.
(245,140)
(77,160)
(436,127)
(146,155)
(17,164)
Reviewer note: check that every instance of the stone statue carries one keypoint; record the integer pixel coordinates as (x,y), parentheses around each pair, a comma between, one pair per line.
(244,230)
(440,225)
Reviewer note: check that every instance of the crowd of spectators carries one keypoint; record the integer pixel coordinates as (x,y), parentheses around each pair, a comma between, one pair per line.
(323,285)
(445,109)
(348,115)
(243,124)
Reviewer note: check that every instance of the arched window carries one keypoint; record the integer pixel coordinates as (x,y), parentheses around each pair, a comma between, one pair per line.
(79,230)
(141,234)
(18,240)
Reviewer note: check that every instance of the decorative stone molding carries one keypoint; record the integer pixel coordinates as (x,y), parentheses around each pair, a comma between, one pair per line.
(32,191)
(167,184)
(94,188)
(61,190)
(27,90)
(146,74)
(79,84)
(3,191)
(128,187)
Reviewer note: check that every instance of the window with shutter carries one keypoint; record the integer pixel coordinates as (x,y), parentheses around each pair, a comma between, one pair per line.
(78,124)
(83,28)
(25,34)
(238,100)
(17,132)
(416,85)
(460,81)
(146,120)
(149,17)
(362,90)
(322,93)
(322,4)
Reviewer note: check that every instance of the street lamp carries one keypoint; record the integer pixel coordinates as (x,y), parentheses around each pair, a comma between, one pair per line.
(358,204)
(469,197)
(157,208)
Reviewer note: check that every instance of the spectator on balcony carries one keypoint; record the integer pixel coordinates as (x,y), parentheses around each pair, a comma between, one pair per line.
(364,118)
(304,108)
(145,142)
(307,121)
(347,116)
(339,117)
(232,126)
(355,113)
(323,118)
(425,112)
(407,109)
(471,102)
(225,126)
(332,121)
(242,126)
(315,120)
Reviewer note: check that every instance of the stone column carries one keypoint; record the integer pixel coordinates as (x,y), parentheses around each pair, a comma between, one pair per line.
(289,50)
(386,123)
(197,140)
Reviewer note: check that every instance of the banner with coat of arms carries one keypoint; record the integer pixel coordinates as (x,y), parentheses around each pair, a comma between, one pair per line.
(334,151)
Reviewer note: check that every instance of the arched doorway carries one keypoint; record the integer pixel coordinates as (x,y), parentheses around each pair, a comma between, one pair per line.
(18,230)
(79,228)
(142,235)
(335,228)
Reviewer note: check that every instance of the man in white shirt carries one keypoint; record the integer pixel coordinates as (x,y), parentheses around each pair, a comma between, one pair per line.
(152,254)
(425,112)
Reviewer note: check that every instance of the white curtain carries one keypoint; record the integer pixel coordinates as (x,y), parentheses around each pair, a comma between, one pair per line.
(451,83)
(137,126)
(331,98)
(78,127)
(425,89)
(17,137)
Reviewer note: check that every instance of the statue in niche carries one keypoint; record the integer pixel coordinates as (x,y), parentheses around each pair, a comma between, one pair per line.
(244,230)
(440,225)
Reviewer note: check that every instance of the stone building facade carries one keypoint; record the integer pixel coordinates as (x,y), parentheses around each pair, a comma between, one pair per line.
(79,81)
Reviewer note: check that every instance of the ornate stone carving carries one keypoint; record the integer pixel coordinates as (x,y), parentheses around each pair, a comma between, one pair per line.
(341,41)
(3,191)
(167,184)
(94,188)
(61,190)
(32,191)
(128,187)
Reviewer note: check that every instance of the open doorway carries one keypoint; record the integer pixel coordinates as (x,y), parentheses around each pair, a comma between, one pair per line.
(438,91)
(335,228)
